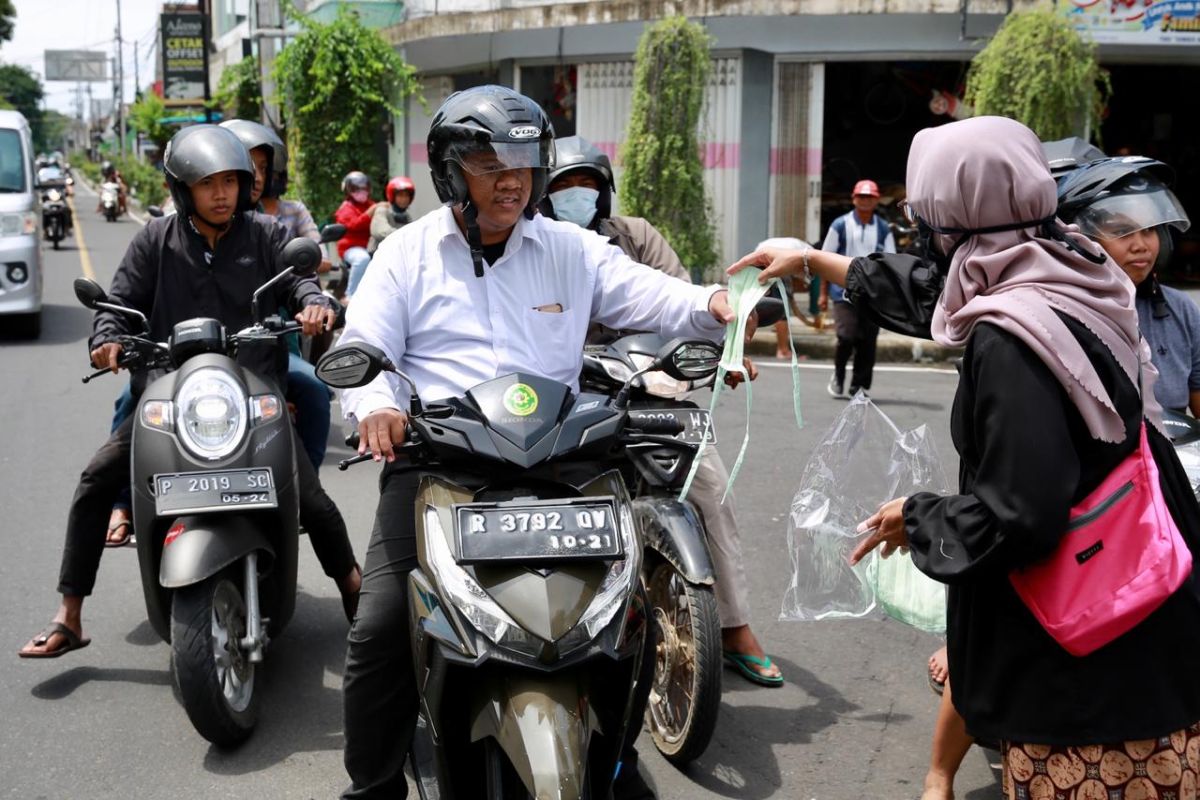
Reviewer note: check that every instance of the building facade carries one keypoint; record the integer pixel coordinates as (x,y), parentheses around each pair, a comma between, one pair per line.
(805,96)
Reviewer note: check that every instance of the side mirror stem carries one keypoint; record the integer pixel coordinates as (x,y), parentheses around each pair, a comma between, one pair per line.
(622,399)
(129,312)
(254,310)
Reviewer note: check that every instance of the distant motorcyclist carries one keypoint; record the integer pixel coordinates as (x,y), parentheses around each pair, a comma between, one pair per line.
(392,216)
(355,213)
(201,262)
(110,174)
(581,190)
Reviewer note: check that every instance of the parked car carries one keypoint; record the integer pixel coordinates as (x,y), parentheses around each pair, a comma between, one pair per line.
(20,226)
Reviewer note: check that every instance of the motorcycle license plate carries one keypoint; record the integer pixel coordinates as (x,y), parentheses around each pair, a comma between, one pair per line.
(214,491)
(552,530)
(695,422)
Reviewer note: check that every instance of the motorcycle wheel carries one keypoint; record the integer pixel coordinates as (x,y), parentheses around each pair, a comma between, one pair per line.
(212,673)
(685,697)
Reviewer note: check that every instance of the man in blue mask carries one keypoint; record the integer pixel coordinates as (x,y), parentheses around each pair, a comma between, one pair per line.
(580,190)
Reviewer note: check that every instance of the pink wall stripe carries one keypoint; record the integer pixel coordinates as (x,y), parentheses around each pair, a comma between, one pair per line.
(418,153)
(795,161)
(715,155)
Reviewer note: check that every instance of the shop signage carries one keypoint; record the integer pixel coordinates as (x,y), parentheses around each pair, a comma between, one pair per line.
(183,59)
(1165,22)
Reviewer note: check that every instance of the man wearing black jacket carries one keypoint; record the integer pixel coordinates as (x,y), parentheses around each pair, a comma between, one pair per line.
(205,261)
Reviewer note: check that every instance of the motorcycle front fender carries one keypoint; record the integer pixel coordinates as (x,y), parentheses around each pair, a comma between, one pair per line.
(675,531)
(544,725)
(206,545)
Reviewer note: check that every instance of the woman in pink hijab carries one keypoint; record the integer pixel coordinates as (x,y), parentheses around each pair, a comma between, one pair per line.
(1047,405)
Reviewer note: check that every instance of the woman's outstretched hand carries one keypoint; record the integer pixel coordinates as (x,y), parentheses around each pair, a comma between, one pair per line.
(887,528)
(777,262)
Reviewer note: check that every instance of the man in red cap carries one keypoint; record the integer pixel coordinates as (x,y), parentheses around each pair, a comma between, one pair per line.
(858,233)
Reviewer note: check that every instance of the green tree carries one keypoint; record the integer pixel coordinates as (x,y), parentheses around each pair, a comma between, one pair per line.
(146,116)
(8,20)
(23,91)
(339,81)
(1038,70)
(239,92)
(663,179)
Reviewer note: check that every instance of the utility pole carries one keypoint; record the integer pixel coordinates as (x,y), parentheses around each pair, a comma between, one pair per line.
(120,94)
(204,34)
(137,83)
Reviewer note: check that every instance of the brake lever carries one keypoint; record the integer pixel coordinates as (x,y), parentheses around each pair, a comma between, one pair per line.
(96,374)
(346,463)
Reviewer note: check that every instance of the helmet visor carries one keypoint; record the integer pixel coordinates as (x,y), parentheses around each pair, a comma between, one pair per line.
(480,158)
(1133,210)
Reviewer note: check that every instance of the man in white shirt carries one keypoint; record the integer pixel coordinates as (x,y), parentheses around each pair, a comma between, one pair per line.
(858,233)
(479,288)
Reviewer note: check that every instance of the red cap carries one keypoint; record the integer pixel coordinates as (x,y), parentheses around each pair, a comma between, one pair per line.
(866,187)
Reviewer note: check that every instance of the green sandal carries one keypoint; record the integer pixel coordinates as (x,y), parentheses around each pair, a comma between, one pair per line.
(742,663)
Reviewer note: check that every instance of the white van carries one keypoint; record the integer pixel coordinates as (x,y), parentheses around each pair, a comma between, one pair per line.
(20,226)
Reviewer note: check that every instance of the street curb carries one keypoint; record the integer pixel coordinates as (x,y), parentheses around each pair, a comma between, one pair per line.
(891,347)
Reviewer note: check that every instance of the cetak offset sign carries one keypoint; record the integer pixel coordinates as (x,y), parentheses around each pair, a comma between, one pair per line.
(183,59)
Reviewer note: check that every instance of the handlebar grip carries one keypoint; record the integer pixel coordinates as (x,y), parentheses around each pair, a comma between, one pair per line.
(657,425)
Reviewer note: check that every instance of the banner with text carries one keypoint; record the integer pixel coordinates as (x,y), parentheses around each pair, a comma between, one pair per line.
(1166,22)
(183,59)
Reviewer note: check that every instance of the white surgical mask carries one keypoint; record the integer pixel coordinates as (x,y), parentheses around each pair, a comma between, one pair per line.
(575,204)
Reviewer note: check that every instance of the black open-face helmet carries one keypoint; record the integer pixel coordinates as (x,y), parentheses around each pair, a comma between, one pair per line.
(1114,197)
(489,129)
(202,150)
(576,154)
(1065,155)
(255,135)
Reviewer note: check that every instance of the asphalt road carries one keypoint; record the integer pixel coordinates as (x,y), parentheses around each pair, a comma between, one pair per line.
(853,721)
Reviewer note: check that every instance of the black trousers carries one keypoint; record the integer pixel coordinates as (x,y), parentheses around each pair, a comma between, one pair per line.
(857,335)
(379,690)
(108,471)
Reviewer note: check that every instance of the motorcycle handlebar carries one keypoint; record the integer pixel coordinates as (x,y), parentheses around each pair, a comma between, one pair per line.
(656,425)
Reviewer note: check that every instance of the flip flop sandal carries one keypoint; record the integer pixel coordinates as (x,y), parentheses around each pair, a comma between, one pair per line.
(936,686)
(124,540)
(73,642)
(742,663)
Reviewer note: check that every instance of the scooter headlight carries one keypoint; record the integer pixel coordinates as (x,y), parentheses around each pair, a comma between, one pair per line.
(614,591)
(467,596)
(658,383)
(211,414)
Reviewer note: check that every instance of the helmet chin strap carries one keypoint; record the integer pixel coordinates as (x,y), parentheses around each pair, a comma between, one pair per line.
(474,236)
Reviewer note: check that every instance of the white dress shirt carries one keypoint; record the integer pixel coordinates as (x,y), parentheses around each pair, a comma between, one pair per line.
(421,303)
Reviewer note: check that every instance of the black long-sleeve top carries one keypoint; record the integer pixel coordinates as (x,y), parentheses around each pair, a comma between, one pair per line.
(170,275)
(1026,457)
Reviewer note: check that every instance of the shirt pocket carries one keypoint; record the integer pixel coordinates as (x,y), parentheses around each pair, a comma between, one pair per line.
(550,340)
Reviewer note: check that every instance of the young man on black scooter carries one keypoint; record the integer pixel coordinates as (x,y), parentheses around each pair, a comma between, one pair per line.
(204,261)
(479,288)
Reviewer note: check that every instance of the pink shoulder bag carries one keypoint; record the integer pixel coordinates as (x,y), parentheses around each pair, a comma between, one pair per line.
(1121,558)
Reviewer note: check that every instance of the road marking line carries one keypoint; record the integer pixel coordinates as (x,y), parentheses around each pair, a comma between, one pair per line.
(878,367)
(85,259)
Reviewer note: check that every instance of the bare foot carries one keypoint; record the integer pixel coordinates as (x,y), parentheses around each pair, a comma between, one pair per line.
(120,528)
(742,641)
(939,667)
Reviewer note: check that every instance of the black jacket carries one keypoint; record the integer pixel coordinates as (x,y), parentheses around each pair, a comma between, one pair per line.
(169,274)
(1026,457)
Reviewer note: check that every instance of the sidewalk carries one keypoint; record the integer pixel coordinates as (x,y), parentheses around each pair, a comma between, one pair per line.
(814,344)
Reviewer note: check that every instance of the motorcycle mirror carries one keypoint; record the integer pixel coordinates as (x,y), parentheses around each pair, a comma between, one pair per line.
(352,365)
(154,211)
(770,310)
(331,233)
(303,255)
(89,293)
(689,359)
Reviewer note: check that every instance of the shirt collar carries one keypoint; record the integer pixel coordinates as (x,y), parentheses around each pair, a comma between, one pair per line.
(524,229)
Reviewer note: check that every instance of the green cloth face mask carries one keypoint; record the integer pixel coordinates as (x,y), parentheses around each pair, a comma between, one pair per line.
(744,293)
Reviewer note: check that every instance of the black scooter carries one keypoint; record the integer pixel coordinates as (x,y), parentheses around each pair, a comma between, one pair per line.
(56,216)
(215,503)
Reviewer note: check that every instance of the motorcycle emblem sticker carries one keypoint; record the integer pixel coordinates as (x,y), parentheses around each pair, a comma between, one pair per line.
(520,399)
